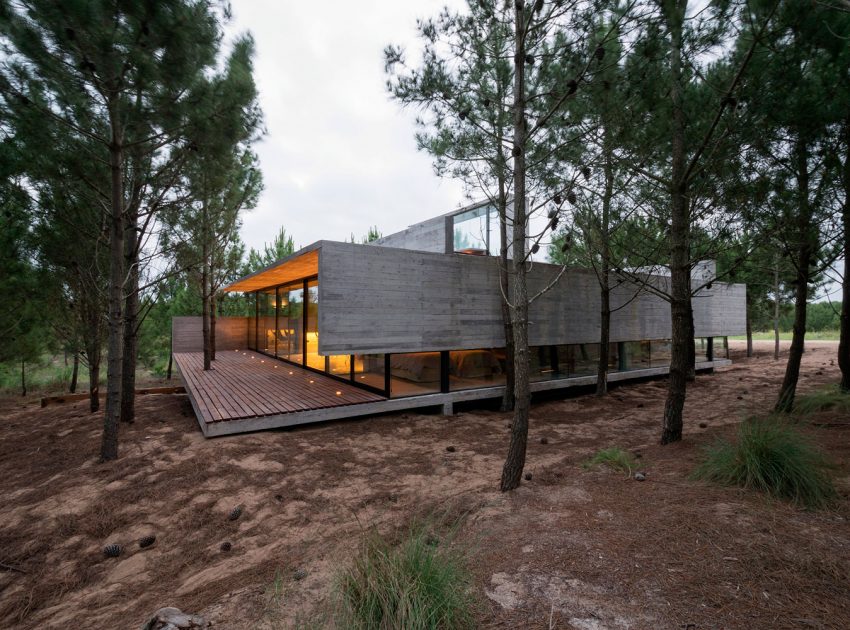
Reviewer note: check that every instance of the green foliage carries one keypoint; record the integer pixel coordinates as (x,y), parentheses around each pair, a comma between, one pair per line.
(372,235)
(281,247)
(43,373)
(827,399)
(771,456)
(417,582)
(613,457)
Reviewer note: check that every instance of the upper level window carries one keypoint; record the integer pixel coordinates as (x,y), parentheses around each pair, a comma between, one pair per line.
(476,231)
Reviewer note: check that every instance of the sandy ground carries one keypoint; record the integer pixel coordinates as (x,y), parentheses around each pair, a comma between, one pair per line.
(569,549)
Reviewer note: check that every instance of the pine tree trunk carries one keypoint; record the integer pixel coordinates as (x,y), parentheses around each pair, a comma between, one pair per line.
(23,377)
(131,317)
(213,317)
(205,292)
(805,252)
(776,303)
(75,370)
(604,336)
(680,280)
(692,352)
(504,278)
(94,385)
(844,336)
(604,273)
(115,298)
(94,348)
(749,333)
(515,460)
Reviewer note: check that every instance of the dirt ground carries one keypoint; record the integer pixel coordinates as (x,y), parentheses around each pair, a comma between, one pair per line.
(569,549)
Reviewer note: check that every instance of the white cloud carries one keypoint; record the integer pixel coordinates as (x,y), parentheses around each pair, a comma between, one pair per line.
(339,155)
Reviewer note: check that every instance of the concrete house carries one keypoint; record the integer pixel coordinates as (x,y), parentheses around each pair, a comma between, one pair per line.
(414,319)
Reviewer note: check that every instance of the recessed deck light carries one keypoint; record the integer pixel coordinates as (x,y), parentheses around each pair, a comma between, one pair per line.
(311,380)
(339,393)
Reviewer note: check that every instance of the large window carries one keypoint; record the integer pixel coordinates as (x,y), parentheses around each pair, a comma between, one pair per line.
(252,322)
(340,365)
(476,368)
(476,231)
(660,353)
(543,363)
(266,321)
(636,355)
(290,343)
(581,359)
(311,330)
(369,370)
(701,349)
(720,348)
(415,373)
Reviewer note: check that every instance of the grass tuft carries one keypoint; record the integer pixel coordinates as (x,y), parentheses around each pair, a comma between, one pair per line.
(613,457)
(771,456)
(826,399)
(416,583)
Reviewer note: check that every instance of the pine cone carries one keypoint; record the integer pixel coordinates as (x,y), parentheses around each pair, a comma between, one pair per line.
(235,513)
(226,546)
(112,550)
(147,541)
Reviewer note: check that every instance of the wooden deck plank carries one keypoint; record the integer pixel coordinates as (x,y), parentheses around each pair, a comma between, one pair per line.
(244,384)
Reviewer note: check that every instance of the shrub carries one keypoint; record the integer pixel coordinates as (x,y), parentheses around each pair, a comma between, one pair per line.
(416,583)
(771,456)
(613,457)
(827,399)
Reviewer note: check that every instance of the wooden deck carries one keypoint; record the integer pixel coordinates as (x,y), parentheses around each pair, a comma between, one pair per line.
(245,384)
(248,391)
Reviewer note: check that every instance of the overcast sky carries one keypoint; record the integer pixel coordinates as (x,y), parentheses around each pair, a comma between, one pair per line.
(339,156)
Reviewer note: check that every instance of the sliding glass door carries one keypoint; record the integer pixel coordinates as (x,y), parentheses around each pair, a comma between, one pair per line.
(311,327)
(290,318)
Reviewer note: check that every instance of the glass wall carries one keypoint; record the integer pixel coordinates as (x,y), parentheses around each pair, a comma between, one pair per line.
(660,353)
(369,370)
(252,323)
(266,321)
(701,349)
(476,368)
(477,231)
(290,344)
(636,355)
(286,325)
(414,373)
(311,330)
(340,365)
(720,348)
(578,359)
(543,363)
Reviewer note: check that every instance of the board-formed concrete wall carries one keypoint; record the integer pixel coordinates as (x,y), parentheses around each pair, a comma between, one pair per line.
(187,333)
(383,299)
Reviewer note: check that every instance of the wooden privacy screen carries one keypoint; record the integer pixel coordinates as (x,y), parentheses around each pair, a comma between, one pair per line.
(187,334)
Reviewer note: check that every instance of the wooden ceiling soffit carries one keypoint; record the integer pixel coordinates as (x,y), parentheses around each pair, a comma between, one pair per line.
(286,271)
